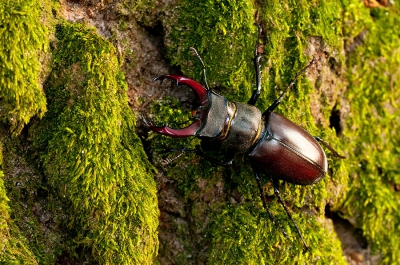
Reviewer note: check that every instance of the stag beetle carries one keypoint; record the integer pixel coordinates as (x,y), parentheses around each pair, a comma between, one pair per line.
(273,144)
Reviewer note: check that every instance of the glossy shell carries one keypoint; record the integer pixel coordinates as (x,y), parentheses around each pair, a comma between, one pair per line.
(288,152)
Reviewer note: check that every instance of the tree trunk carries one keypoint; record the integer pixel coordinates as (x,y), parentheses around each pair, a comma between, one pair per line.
(83,180)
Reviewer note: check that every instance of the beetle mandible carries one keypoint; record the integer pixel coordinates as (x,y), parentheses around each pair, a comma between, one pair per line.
(273,144)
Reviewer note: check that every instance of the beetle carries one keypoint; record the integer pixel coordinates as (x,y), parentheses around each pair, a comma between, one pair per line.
(274,145)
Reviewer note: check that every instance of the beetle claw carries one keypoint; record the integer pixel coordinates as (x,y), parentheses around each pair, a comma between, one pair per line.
(147,123)
(160,77)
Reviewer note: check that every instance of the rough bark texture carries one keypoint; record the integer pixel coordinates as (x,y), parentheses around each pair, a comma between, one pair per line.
(82,180)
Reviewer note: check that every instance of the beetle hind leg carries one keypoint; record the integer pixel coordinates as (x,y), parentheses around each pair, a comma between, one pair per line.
(264,201)
(329,147)
(277,194)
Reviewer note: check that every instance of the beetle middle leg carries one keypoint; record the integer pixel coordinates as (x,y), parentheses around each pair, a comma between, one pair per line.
(291,84)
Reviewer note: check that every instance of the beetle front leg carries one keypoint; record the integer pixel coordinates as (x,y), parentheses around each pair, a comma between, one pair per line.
(200,153)
(168,161)
(277,193)
(219,162)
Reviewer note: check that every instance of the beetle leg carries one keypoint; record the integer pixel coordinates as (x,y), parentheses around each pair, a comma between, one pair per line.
(276,102)
(329,147)
(276,191)
(264,201)
(167,160)
(257,57)
(216,161)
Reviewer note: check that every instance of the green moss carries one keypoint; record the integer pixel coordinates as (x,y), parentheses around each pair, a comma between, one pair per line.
(138,10)
(224,35)
(13,246)
(4,208)
(240,235)
(36,210)
(91,155)
(289,27)
(23,39)
(373,124)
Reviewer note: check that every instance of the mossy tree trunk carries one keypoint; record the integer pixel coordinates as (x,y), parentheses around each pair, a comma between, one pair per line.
(78,177)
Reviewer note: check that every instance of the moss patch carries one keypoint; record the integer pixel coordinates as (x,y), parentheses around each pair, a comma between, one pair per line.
(373,124)
(13,246)
(23,37)
(223,33)
(91,155)
(240,235)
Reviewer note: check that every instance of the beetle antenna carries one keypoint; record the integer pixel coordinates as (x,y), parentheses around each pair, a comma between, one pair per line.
(276,102)
(204,66)
(256,60)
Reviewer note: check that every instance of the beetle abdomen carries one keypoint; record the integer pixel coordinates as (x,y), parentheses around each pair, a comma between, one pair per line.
(289,153)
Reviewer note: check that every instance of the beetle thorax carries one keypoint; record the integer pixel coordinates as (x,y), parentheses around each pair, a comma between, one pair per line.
(236,125)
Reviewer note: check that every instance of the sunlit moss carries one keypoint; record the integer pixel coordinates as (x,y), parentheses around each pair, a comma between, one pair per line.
(23,37)
(91,154)
(224,35)
(243,235)
(373,124)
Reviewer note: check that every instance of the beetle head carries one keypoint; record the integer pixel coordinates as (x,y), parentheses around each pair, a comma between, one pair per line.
(200,114)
